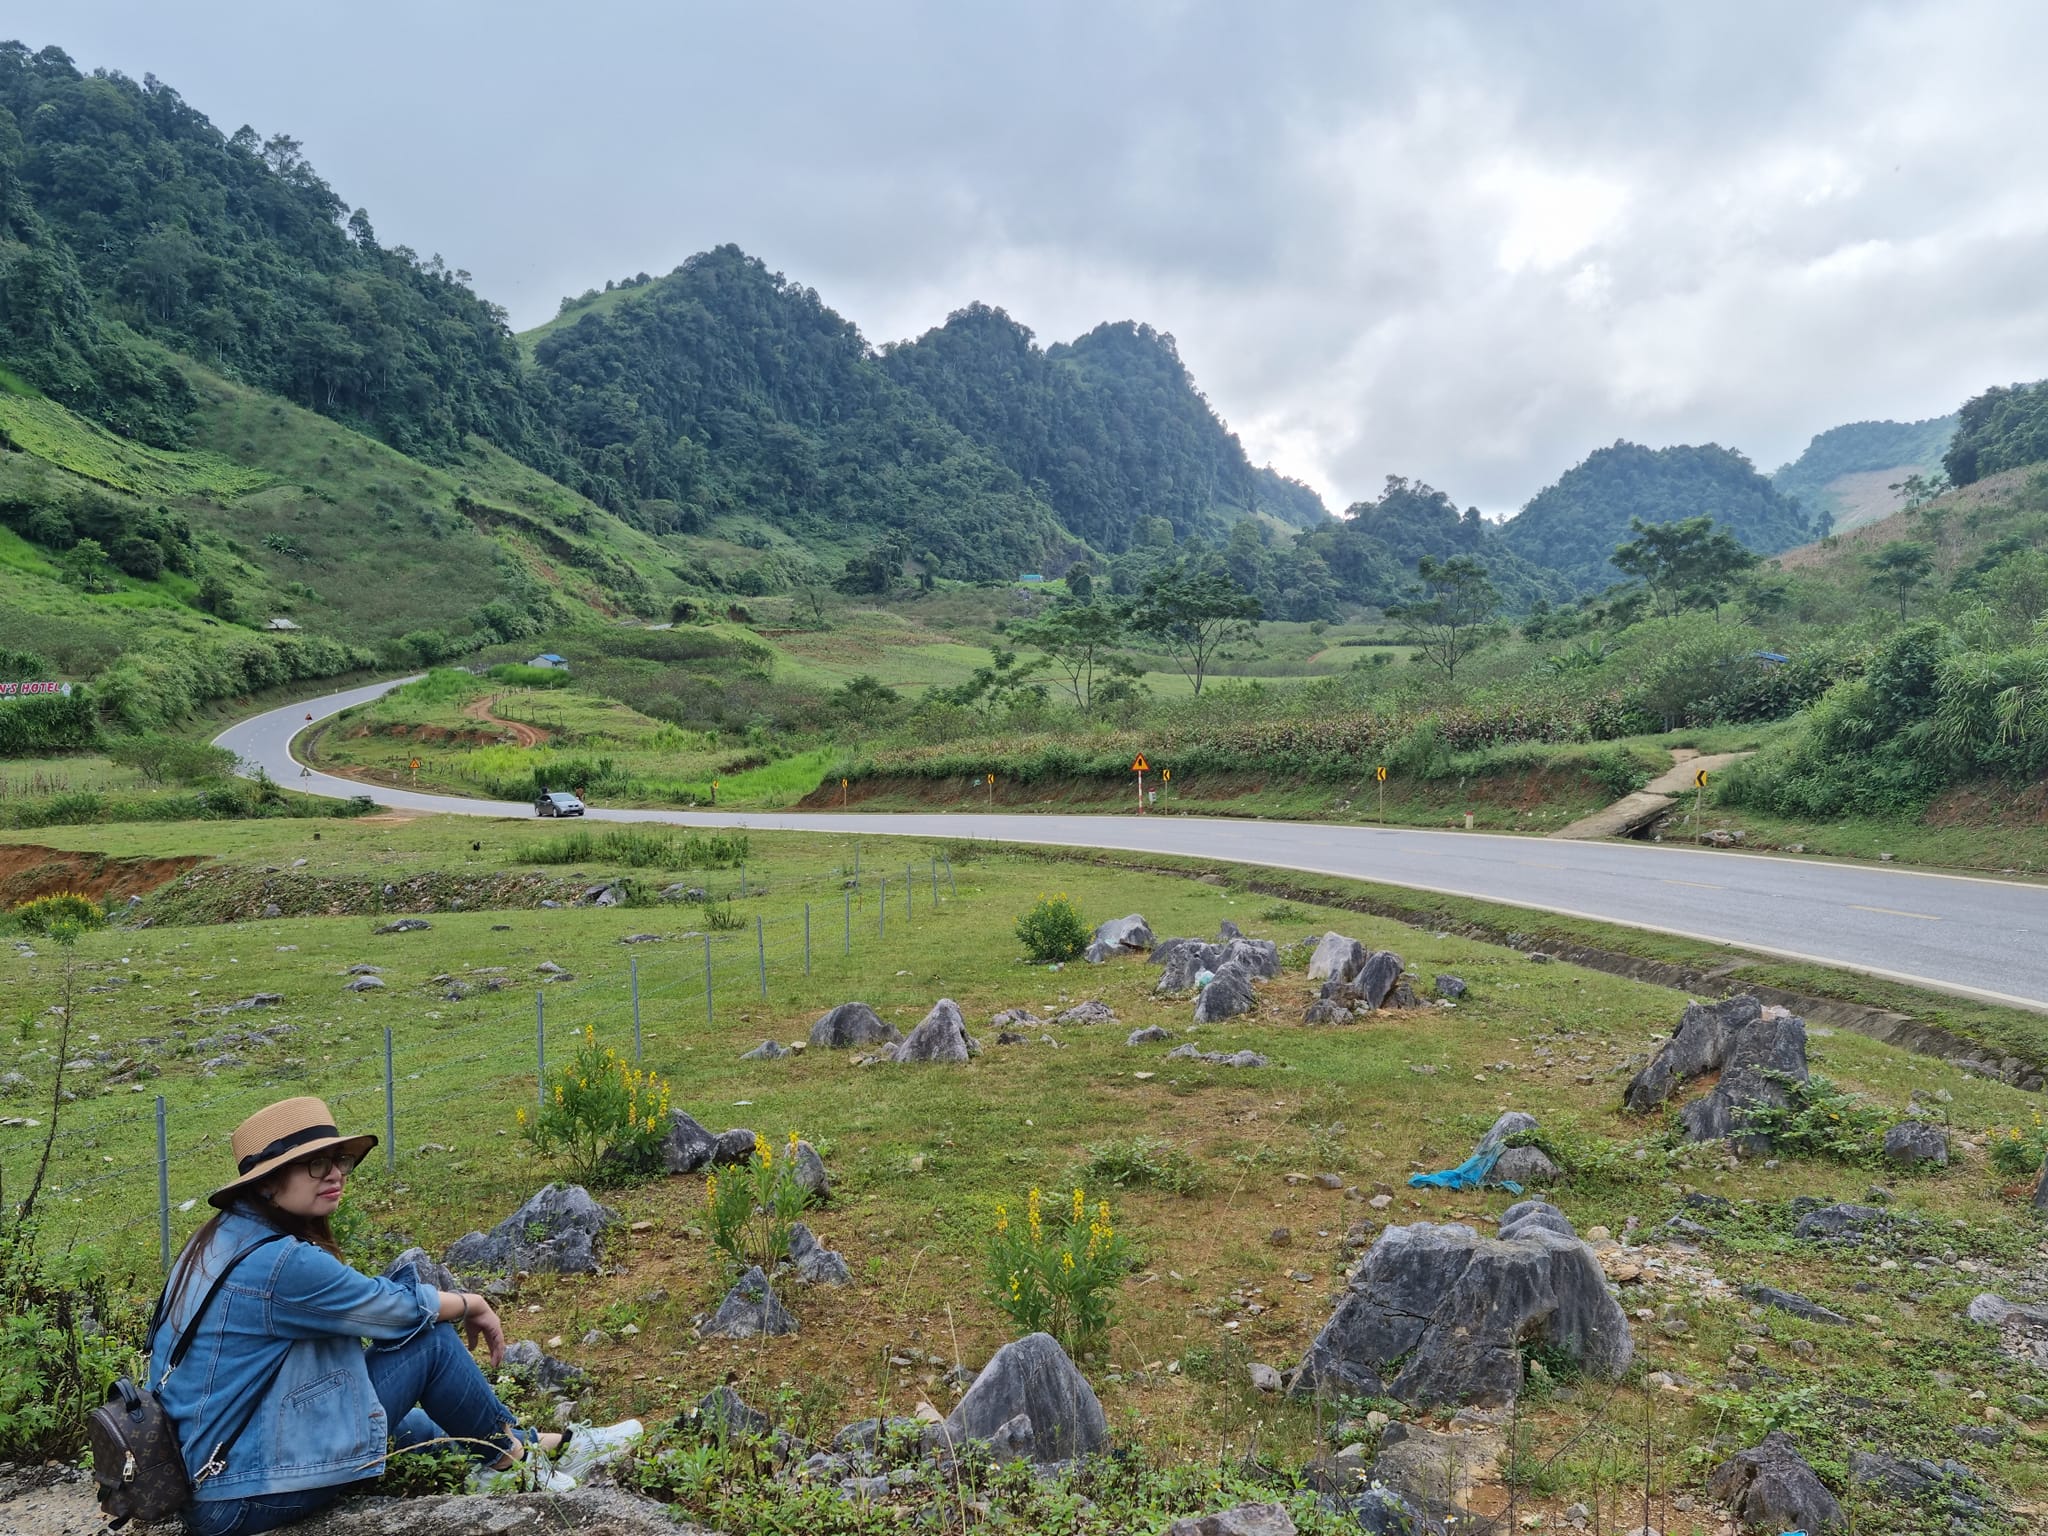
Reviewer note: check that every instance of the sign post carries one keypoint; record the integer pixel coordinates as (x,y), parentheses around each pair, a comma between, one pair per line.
(842,794)
(415,769)
(991,791)
(714,791)
(1165,778)
(1380,777)
(1140,767)
(1699,803)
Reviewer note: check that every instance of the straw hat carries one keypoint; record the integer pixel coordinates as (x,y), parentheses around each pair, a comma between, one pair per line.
(284,1133)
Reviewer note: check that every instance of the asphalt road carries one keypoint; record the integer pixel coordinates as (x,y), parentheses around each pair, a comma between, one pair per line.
(1982,938)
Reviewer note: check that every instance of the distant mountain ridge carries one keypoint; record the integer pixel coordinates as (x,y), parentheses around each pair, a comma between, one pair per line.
(1846,472)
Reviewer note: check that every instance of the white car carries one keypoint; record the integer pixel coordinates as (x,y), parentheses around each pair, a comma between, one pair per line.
(557,802)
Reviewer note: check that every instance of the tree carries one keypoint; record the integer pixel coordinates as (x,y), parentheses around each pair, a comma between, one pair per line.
(1078,638)
(1689,563)
(1902,565)
(218,598)
(1447,616)
(1081,582)
(1196,613)
(87,568)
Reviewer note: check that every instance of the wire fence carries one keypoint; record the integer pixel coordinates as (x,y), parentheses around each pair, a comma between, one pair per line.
(496,1051)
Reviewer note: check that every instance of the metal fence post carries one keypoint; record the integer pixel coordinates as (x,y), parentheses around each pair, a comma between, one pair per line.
(636,1009)
(935,880)
(849,922)
(708,1016)
(540,1046)
(163,1185)
(761,952)
(882,911)
(807,938)
(390,1109)
(909,890)
(949,878)
(856,862)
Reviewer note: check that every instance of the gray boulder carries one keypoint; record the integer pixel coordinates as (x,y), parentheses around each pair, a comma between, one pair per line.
(1032,1378)
(1770,1487)
(688,1146)
(724,1413)
(1437,1314)
(1377,979)
(1513,1123)
(852,1024)
(1529,1167)
(365,984)
(404,925)
(530,1365)
(2041,1187)
(560,1229)
(1091,1012)
(1327,1011)
(811,1177)
(1259,957)
(1120,935)
(733,1147)
(1244,1520)
(815,1263)
(422,1268)
(1335,956)
(767,1050)
(1185,965)
(749,1310)
(1795,1304)
(1763,1058)
(1698,1046)
(941,1037)
(1842,1223)
(589,1508)
(1150,1035)
(1228,994)
(1192,1052)
(1164,951)
(1916,1144)
(1947,1486)
(1450,986)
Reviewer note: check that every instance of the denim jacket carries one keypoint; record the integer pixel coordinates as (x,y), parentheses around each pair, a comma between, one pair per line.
(318,1423)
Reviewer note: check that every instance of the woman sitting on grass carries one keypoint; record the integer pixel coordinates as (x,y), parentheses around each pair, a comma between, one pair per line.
(279,1406)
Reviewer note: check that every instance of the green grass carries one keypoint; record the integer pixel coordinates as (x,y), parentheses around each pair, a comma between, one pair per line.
(52,433)
(920,1157)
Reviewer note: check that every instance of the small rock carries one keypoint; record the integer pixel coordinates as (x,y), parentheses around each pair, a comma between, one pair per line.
(1265,1378)
(405,925)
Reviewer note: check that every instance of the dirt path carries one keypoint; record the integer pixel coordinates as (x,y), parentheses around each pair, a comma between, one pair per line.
(1653,799)
(525,735)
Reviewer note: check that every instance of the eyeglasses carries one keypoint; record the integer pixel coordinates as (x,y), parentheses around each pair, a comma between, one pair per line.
(322,1164)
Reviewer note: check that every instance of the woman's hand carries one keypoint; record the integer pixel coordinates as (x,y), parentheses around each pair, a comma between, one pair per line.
(480,1322)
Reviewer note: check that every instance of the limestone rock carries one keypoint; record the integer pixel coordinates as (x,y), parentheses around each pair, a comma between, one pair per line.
(852,1024)
(1948,1486)
(1762,1057)
(560,1229)
(1151,1035)
(767,1050)
(1188,960)
(404,925)
(1770,1487)
(1916,1144)
(1530,1167)
(1192,1052)
(1032,1377)
(1450,986)
(473,1514)
(733,1147)
(365,984)
(749,1310)
(815,1263)
(1243,1520)
(422,1268)
(535,1368)
(1258,957)
(1699,1045)
(1090,1012)
(1228,994)
(1437,1314)
(1120,935)
(1335,956)
(724,1413)
(1795,1304)
(941,1037)
(689,1146)
(811,1177)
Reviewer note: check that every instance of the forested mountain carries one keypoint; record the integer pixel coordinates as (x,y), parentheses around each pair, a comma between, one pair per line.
(1110,428)
(1291,501)
(1884,452)
(1374,547)
(231,249)
(1999,429)
(1574,525)
(723,386)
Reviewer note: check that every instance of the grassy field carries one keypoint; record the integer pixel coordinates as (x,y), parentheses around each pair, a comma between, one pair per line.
(920,1157)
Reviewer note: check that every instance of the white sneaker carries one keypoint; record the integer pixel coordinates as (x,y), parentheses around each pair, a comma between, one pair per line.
(532,1473)
(592,1447)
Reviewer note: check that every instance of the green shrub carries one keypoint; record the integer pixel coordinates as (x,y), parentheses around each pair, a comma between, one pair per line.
(2018,1151)
(603,1113)
(65,1334)
(752,1207)
(45,912)
(1820,1120)
(1053,930)
(1065,1283)
(1135,1161)
(522,676)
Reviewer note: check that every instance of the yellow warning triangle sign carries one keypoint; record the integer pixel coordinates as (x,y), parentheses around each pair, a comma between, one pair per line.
(1141,766)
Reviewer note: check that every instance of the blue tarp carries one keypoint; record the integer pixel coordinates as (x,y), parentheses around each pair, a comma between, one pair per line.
(1469,1174)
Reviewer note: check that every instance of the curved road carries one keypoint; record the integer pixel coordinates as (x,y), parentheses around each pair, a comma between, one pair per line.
(1980,938)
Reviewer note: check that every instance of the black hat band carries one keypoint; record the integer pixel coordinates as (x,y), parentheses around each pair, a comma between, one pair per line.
(284,1144)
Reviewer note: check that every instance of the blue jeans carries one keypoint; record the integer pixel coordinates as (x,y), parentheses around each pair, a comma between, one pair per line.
(431,1387)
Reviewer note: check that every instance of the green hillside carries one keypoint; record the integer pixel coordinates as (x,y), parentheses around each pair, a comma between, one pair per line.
(1573,526)
(1846,473)
(2002,428)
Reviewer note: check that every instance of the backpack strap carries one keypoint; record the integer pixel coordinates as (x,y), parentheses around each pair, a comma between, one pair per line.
(191,1331)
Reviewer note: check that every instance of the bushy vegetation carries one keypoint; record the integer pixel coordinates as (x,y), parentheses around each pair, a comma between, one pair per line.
(1052,930)
(607,1116)
(752,1205)
(1064,1282)
(45,912)
(637,849)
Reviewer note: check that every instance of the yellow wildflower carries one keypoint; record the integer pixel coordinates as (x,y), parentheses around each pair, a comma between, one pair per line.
(1067,1262)
(1002,1220)
(763,1151)
(711,1189)
(1031,1214)
(1079,1205)
(520,1114)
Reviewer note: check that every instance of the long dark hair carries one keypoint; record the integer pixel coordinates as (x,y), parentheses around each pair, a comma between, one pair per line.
(317,1230)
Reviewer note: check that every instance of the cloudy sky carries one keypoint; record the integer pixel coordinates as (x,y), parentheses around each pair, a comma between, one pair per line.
(1465,242)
